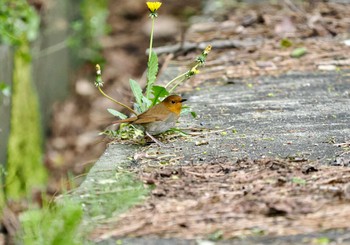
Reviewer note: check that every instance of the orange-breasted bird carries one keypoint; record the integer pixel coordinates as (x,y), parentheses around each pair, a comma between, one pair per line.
(158,118)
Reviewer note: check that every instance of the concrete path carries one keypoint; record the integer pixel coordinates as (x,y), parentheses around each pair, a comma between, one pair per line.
(297,116)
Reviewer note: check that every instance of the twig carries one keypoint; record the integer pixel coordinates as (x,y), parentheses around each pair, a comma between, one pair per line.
(345,144)
(209,132)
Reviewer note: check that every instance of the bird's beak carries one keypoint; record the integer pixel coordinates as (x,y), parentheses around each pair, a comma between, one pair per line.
(183,100)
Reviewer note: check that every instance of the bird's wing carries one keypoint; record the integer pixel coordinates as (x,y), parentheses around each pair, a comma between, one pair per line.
(130,119)
(152,115)
(145,120)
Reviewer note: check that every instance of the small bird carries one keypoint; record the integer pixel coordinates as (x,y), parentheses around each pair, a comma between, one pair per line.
(158,118)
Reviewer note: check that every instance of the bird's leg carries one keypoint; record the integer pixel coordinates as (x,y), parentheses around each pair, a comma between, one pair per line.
(155,140)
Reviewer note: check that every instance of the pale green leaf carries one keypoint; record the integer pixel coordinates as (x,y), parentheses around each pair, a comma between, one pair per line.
(137,91)
(117,113)
(185,110)
(5,89)
(298,180)
(286,43)
(138,108)
(151,73)
(298,52)
(146,102)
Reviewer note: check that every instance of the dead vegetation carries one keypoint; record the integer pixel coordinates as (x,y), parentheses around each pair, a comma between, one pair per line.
(262,197)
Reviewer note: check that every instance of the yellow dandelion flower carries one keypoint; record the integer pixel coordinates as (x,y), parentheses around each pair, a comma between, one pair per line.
(153,6)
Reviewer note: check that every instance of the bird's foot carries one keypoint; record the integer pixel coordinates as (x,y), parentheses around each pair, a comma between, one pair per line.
(156,141)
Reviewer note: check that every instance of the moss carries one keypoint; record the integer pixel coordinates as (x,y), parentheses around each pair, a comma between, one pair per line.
(25,168)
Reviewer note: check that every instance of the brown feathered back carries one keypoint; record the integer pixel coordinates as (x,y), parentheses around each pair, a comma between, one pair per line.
(160,112)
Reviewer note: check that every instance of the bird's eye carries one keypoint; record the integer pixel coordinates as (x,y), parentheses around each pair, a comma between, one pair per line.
(173,101)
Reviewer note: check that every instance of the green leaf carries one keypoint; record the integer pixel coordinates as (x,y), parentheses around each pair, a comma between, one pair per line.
(185,110)
(137,91)
(52,225)
(158,92)
(19,22)
(286,43)
(117,113)
(322,241)
(138,108)
(298,180)
(151,73)
(5,89)
(298,52)
(216,236)
(142,103)
(176,130)
(147,103)
(194,114)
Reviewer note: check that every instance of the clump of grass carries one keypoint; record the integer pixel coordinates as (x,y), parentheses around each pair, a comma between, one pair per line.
(56,224)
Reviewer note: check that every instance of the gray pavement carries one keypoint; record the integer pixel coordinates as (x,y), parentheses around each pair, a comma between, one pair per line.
(298,116)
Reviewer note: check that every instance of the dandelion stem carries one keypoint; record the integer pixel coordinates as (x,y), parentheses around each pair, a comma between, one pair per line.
(177,84)
(115,101)
(176,78)
(151,40)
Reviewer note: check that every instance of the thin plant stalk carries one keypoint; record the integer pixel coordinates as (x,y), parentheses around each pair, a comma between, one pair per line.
(176,78)
(115,101)
(151,40)
(185,75)
(177,84)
